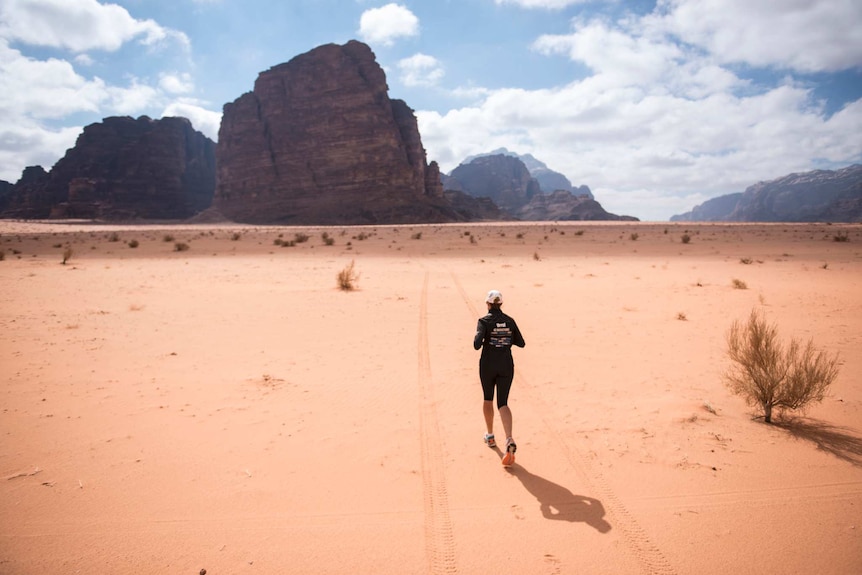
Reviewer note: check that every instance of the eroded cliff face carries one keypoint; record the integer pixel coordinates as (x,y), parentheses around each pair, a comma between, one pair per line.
(318,141)
(123,168)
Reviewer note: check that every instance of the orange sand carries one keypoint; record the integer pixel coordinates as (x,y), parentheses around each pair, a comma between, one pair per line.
(228,408)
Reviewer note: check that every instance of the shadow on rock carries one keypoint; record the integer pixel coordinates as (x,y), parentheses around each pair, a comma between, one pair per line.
(558,503)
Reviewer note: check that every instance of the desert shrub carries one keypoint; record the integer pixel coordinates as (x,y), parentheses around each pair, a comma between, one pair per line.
(745,261)
(681,316)
(300,238)
(235,236)
(134,243)
(739,284)
(579,233)
(348,277)
(181,247)
(416,236)
(327,239)
(277,242)
(67,254)
(2,255)
(634,237)
(472,239)
(168,238)
(520,235)
(771,375)
(841,237)
(114,237)
(685,238)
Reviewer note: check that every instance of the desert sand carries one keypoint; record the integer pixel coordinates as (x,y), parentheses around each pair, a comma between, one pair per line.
(229,408)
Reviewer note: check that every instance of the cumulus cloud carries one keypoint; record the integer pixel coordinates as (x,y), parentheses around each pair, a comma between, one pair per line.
(662,122)
(176,83)
(205,121)
(803,35)
(420,70)
(386,24)
(78,26)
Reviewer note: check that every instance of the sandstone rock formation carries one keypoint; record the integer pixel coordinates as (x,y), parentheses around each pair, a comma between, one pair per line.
(548,179)
(505,179)
(319,141)
(565,206)
(819,195)
(123,168)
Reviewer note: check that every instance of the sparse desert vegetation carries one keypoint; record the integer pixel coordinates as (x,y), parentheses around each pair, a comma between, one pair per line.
(347,277)
(773,375)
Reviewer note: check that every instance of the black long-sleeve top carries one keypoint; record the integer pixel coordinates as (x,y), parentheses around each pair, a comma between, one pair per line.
(496,333)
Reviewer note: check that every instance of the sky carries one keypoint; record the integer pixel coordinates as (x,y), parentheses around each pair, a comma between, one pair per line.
(657,106)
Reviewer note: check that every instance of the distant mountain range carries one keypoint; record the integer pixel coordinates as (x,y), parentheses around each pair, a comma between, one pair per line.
(549,180)
(816,196)
(511,182)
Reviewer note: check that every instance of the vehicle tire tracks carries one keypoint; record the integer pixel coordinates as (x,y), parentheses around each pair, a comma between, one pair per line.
(647,554)
(439,539)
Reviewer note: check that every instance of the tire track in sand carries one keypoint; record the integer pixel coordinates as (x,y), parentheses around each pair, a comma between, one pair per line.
(650,557)
(439,540)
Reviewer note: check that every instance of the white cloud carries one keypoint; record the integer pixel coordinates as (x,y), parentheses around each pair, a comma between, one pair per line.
(662,122)
(205,121)
(646,155)
(26,143)
(386,24)
(78,26)
(420,70)
(176,83)
(804,35)
(37,93)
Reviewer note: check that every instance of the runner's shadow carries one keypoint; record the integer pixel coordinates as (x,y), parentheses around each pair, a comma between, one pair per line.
(558,503)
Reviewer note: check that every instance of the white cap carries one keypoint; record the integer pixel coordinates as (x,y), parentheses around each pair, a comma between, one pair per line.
(494,297)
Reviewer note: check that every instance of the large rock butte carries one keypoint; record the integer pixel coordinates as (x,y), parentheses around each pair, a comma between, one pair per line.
(319,141)
(122,168)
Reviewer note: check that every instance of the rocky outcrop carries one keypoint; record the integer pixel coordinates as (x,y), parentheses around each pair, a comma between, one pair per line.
(502,178)
(819,195)
(319,141)
(472,209)
(123,168)
(565,206)
(5,193)
(548,179)
(505,180)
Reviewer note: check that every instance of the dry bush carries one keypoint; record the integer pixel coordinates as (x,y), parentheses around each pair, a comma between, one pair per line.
(67,254)
(772,375)
(348,277)
(685,238)
(181,247)
(739,284)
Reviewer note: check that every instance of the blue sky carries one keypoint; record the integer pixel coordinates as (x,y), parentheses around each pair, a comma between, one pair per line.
(657,106)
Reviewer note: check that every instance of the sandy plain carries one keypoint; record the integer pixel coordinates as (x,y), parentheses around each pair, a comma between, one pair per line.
(228,408)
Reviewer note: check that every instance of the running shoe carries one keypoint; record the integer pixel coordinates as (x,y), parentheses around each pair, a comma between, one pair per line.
(489,440)
(509,458)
